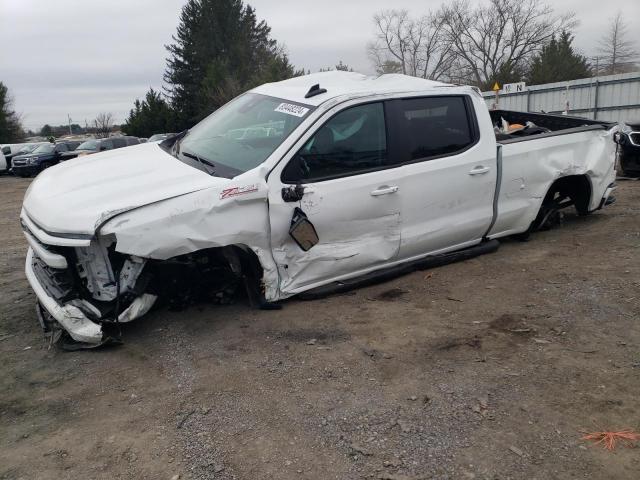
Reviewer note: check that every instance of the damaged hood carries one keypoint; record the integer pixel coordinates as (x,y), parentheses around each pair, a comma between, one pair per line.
(80,194)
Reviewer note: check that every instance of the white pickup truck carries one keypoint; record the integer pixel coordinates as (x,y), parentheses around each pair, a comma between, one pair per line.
(313,184)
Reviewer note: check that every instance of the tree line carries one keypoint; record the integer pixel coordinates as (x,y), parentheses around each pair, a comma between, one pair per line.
(10,126)
(221,49)
(499,41)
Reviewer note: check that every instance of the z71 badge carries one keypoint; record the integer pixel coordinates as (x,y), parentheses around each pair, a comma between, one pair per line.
(235,191)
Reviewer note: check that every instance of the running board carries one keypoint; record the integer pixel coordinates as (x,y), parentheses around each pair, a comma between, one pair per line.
(389,273)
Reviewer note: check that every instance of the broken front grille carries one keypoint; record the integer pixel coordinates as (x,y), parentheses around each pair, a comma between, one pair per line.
(56,282)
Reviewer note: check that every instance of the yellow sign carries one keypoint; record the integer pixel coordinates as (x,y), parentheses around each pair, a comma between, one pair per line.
(496,87)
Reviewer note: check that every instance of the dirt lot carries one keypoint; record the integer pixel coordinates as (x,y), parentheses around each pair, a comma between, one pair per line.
(486,369)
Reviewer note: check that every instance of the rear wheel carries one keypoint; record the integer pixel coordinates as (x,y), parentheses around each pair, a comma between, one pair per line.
(564,193)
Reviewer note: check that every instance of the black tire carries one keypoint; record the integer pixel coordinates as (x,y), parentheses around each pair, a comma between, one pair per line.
(562,194)
(44,166)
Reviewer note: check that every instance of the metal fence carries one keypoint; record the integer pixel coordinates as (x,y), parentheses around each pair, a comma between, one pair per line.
(611,97)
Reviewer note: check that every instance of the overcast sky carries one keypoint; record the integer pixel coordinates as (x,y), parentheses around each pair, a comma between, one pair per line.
(81,57)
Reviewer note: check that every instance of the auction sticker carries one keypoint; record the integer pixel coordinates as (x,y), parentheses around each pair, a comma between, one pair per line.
(291,109)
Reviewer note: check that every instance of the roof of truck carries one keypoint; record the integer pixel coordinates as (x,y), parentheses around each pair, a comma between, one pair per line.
(339,83)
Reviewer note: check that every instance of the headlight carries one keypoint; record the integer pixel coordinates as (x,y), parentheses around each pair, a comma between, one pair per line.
(32,160)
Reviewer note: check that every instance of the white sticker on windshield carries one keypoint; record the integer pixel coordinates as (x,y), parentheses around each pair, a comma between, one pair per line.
(291,109)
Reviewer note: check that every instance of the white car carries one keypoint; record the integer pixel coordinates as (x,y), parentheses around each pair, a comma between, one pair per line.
(313,184)
(3,164)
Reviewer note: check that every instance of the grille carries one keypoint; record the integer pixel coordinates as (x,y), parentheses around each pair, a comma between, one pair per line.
(57,283)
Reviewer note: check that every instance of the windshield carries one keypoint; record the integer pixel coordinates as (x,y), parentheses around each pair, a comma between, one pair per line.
(242,134)
(88,145)
(157,136)
(27,149)
(47,148)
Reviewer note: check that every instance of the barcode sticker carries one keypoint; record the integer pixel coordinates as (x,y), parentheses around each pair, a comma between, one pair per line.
(291,109)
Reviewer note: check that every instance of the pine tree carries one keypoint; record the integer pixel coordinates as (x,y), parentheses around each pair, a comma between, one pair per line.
(10,128)
(46,131)
(220,49)
(558,62)
(150,116)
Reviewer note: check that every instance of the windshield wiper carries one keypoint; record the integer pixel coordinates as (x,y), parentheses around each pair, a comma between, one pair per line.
(205,163)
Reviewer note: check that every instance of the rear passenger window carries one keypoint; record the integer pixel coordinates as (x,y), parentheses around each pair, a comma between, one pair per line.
(119,143)
(435,126)
(353,141)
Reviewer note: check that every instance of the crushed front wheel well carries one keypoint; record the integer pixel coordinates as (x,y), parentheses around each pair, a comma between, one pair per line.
(213,274)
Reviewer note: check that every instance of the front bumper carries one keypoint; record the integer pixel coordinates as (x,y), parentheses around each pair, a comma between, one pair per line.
(70,317)
(25,170)
(79,326)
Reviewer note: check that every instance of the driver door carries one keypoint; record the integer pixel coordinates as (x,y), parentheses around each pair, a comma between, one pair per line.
(348,192)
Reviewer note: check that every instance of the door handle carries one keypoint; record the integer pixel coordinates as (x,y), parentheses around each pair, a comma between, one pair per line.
(479,170)
(384,190)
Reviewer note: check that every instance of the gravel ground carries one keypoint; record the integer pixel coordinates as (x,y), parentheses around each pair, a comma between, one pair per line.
(486,369)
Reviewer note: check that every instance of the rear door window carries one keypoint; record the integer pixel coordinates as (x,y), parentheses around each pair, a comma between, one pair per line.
(433,127)
(353,141)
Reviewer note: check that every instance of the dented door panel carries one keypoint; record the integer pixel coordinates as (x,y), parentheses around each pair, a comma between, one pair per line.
(356,229)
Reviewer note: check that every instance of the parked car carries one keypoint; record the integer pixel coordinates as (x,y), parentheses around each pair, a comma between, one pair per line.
(3,164)
(159,137)
(42,157)
(95,145)
(25,149)
(11,149)
(307,186)
(629,153)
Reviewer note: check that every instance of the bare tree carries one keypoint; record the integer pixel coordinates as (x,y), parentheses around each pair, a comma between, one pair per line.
(387,66)
(617,54)
(495,41)
(103,124)
(411,46)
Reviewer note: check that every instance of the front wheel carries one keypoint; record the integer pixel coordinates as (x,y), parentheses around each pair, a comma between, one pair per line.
(45,165)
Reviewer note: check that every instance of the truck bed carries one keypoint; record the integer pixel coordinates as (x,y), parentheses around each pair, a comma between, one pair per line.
(556,124)
(528,165)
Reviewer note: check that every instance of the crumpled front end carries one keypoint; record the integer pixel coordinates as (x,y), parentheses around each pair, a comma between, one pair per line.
(84,287)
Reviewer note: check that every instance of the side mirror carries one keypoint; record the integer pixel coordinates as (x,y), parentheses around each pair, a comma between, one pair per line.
(303,231)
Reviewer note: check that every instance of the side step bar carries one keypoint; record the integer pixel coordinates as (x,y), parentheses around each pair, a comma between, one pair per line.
(385,274)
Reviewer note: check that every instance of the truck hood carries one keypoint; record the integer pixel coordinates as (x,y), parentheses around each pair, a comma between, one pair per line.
(80,194)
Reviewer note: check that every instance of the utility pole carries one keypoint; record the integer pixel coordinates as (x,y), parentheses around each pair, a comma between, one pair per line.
(69,118)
